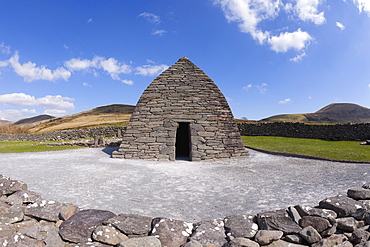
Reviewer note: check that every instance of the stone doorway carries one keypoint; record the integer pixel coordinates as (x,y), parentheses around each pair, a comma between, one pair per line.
(183,141)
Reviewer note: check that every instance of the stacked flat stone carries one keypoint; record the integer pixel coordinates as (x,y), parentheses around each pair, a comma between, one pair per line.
(182,93)
(27,220)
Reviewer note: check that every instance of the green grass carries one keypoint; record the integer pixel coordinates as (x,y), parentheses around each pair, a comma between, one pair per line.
(21,147)
(335,150)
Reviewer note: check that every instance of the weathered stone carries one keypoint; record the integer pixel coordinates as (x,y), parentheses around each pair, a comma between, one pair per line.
(67,211)
(359,193)
(240,226)
(31,231)
(347,224)
(243,242)
(294,238)
(366,186)
(331,241)
(171,232)
(108,235)
(52,237)
(141,242)
(344,206)
(310,235)
(19,240)
(282,243)
(264,237)
(320,212)
(81,225)
(277,220)
(131,224)
(359,236)
(23,196)
(6,230)
(11,218)
(25,223)
(210,233)
(88,244)
(320,224)
(45,209)
(8,187)
(345,244)
(294,214)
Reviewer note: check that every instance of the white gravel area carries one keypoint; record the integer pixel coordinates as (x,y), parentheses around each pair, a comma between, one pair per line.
(190,191)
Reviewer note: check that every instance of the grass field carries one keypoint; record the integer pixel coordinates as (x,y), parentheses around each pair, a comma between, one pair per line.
(335,150)
(21,147)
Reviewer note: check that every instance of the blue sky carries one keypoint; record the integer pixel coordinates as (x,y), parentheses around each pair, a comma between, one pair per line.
(268,57)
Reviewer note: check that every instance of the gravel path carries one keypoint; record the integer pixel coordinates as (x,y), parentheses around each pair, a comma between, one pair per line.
(183,190)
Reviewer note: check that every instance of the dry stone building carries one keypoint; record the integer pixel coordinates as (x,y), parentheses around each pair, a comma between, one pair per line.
(182,115)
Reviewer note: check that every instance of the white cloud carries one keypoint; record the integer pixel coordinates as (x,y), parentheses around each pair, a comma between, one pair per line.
(30,72)
(249,86)
(5,49)
(159,32)
(86,84)
(4,63)
(128,82)
(363,5)
(10,115)
(55,112)
(285,101)
(307,11)
(151,17)
(340,25)
(89,20)
(297,40)
(111,66)
(49,101)
(298,58)
(150,70)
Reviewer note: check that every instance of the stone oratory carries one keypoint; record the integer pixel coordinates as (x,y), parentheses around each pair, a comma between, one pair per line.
(181,115)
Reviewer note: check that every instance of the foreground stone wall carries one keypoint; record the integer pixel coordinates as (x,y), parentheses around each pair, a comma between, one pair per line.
(66,134)
(26,219)
(300,130)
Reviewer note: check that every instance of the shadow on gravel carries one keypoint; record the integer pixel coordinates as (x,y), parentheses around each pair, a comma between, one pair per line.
(109,151)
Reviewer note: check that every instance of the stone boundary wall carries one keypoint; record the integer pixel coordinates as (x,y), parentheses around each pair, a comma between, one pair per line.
(26,219)
(301,130)
(66,134)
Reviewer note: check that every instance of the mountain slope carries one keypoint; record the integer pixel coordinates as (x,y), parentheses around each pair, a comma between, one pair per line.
(110,114)
(33,119)
(333,113)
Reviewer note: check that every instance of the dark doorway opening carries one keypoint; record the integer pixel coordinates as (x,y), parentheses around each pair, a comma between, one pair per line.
(183,142)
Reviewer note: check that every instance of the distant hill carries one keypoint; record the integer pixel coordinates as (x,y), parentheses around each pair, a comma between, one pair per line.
(103,115)
(333,113)
(33,119)
(4,122)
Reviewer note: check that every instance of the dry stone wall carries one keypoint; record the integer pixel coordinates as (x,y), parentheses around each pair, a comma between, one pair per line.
(66,134)
(27,219)
(301,130)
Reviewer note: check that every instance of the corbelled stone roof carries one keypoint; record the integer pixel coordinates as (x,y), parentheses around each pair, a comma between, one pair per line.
(182,94)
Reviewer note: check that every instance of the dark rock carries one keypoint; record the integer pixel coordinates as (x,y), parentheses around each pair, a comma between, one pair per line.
(131,224)
(294,238)
(359,236)
(294,214)
(81,225)
(8,187)
(282,243)
(344,206)
(141,242)
(19,240)
(23,197)
(359,193)
(347,224)
(310,235)
(320,224)
(277,220)
(171,232)
(240,226)
(320,212)
(108,235)
(331,241)
(366,186)
(210,233)
(45,209)
(242,242)
(264,237)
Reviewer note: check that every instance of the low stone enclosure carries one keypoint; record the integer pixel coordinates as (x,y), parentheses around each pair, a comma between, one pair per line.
(28,220)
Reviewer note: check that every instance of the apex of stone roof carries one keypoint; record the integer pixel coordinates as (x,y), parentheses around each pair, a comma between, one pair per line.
(184,59)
